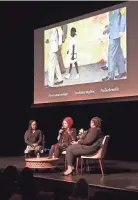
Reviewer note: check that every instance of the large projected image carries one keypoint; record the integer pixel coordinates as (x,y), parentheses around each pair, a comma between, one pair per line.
(90,57)
(86,51)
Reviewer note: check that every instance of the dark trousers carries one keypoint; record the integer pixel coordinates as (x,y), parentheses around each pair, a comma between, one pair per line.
(56,149)
(115,57)
(76,150)
(77,68)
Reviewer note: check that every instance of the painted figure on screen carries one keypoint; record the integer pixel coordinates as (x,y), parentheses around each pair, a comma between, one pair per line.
(60,42)
(73,54)
(116,30)
(53,65)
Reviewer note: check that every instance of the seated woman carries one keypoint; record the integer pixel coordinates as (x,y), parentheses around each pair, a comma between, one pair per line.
(66,136)
(33,138)
(89,144)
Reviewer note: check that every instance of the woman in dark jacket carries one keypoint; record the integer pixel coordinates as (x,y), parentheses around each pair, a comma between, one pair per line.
(89,144)
(66,136)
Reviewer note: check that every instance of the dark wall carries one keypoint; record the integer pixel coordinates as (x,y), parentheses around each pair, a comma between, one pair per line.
(17,23)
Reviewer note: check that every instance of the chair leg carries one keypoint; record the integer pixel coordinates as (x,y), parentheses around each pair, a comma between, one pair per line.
(88,167)
(101,166)
(81,165)
(77,164)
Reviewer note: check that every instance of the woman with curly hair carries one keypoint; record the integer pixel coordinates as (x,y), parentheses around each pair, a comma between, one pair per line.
(89,144)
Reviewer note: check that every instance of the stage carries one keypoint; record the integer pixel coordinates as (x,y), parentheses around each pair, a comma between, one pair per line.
(120,176)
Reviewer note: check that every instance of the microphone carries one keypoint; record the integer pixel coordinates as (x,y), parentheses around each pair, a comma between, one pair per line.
(61,130)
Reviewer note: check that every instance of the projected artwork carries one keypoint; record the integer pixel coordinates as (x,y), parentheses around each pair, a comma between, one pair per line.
(86,51)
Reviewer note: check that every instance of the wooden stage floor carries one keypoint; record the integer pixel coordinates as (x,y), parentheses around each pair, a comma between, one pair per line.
(120,175)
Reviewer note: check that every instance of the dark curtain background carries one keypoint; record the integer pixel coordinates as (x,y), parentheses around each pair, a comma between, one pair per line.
(17,22)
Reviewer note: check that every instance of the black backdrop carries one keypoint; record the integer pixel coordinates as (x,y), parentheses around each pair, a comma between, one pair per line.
(17,20)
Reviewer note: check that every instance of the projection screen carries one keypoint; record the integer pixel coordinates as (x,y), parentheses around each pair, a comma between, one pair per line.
(90,57)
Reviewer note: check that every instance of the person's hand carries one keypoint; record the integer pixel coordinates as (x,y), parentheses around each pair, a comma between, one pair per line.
(61,131)
(74,142)
(121,34)
(72,58)
(35,144)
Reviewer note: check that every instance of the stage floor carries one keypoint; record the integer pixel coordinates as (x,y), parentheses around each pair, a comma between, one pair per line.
(119,175)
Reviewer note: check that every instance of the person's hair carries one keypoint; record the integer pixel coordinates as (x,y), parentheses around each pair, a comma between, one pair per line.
(27,183)
(69,121)
(73,29)
(81,189)
(97,121)
(26,178)
(30,124)
(10,173)
(26,174)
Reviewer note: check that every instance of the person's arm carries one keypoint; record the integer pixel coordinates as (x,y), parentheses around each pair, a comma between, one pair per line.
(90,137)
(58,137)
(40,138)
(73,135)
(26,139)
(122,22)
(73,51)
(60,133)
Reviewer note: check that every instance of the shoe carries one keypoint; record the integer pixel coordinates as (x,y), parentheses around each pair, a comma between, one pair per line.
(67,76)
(47,86)
(107,79)
(58,83)
(70,173)
(121,75)
(77,76)
(104,68)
